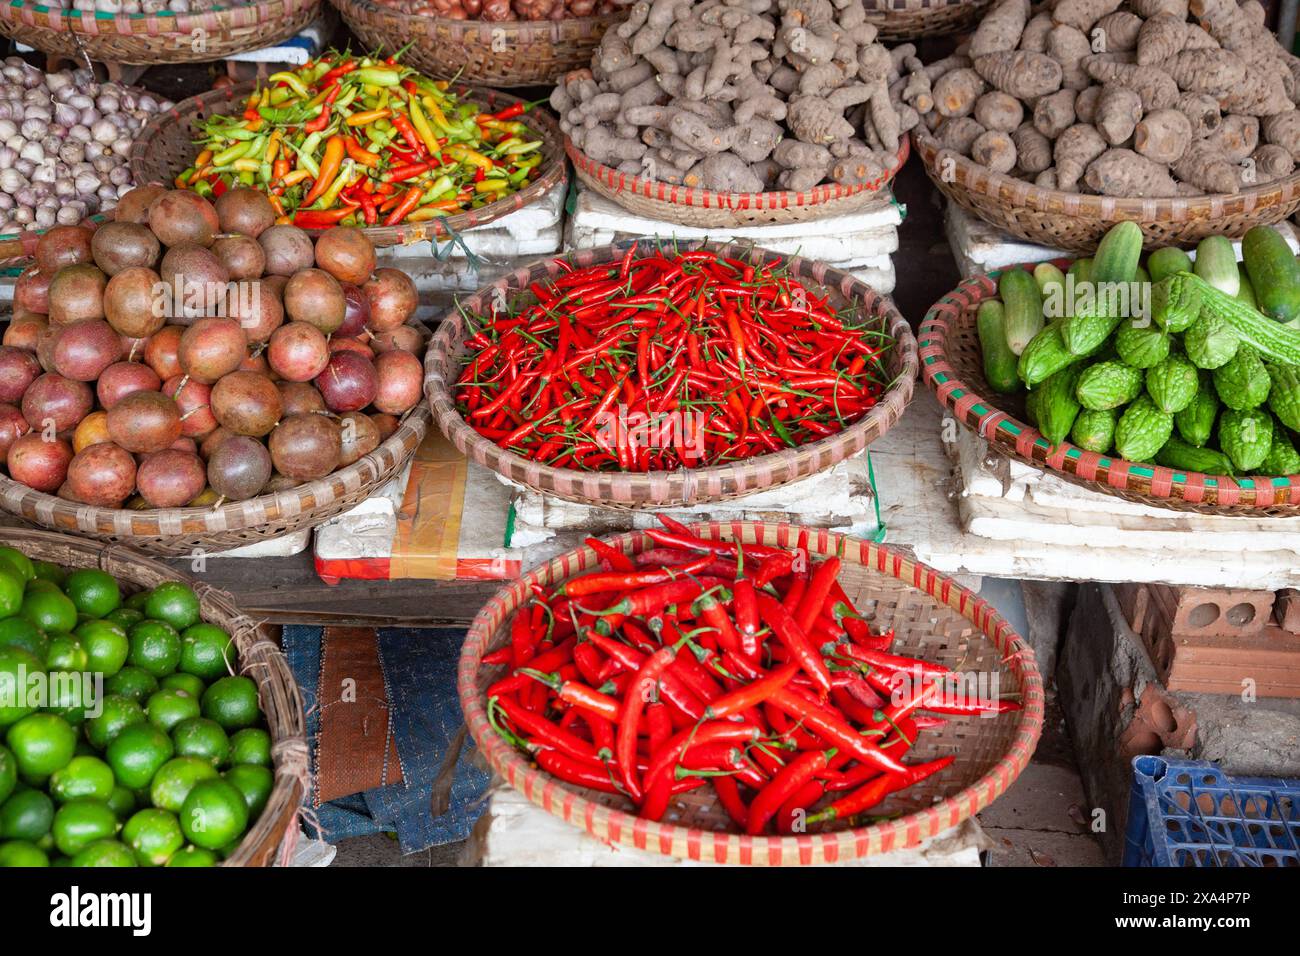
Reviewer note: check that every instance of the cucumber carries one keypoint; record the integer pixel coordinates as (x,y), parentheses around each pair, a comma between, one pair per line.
(1247,293)
(1047,276)
(1273,272)
(1022,306)
(1118,253)
(1165,262)
(1216,263)
(1081,269)
(999,360)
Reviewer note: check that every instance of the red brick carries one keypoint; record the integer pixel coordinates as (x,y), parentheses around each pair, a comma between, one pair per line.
(1286,610)
(1207,612)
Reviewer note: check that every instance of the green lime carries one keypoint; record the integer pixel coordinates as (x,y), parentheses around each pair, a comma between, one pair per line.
(207,651)
(186,682)
(254,783)
(115,713)
(232,702)
(104,853)
(178,776)
(66,653)
(21,853)
(17,668)
(153,836)
(71,695)
(174,603)
(27,815)
(125,616)
(23,634)
(106,644)
(214,814)
(122,801)
(193,856)
(42,744)
(82,777)
(155,647)
(202,738)
(19,562)
(167,708)
(48,608)
(136,753)
(45,571)
(94,592)
(132,682)
(12,587)
(252,745)
(9,771)
(137,601)
(79,823)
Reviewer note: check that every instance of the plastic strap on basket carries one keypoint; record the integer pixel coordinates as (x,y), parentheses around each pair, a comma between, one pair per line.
(454,239)
(881,528)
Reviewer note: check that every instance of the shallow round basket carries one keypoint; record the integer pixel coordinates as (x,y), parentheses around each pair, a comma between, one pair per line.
(180,532)
(480,52)
(952,365)
(144,39)
(702,207)
(932,617)
(686,486)
(166,147)
(259,658)
(914,19)
(1076,222)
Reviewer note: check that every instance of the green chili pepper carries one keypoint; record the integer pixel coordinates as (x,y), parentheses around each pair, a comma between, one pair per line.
(292,81)
(232,153)
(376,76)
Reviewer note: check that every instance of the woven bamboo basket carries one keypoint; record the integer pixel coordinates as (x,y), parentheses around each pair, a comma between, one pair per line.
(259,658)
(180,532)
(952,365)
(484,53)
(702,207)
(932,617)
(1076,222)
(166,147)
(145,39)
(686,486)
(914,19)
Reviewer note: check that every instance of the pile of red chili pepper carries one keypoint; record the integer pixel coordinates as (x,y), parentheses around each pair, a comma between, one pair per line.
(706,663)
(362,141)
(668,360)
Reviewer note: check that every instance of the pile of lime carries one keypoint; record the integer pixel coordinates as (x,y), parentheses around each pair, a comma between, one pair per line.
(128,738)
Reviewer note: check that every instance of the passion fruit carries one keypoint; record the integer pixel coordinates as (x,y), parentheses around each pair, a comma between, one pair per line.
(239,468)
(53,400)
(360,436)
(246,403)
(288,249)
(102,474)
(134,206)
(298,352)
(401,382)
(83,350)
(178,216)
(171,478)
(245,210)
(122,245)
(393,299)
(38,463)
(12,427)
(315,297)
(63,246)
(18,369)
(194,399)
(211,348)
(348,383)
(306,447)
(135,302)
(346,254)
(241,255)
(76,294)
(162,351)
(144,422)
(121,379)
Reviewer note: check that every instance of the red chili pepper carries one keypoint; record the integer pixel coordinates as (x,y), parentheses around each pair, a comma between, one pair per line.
(784,785)
(404,206)
(795,640)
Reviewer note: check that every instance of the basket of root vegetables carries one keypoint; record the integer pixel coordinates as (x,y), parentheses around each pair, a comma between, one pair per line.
(754,129)
(652,374)
(1186,124)
(498,43)
(358,141)
(1166,381)
(813,698)
(193,376)
(915,19)
(146,32)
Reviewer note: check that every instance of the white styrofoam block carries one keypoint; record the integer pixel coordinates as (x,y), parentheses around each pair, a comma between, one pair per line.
(515,832)
(281,547)
(533,229)
(367,530)
(980,247)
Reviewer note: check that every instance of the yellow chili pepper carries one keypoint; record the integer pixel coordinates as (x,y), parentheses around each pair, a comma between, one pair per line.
(437,115)
(246,165)
(273,147)
(297,176)
(421,124)
(464,154)
(369,116)
(203,158)
(490,185)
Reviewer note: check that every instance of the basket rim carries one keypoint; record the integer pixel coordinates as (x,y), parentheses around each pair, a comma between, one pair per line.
(568,803)
(75,21)
(551,174)
(1105,472)
(233,516)
(642,487)
(482,28)
(288,789)
(708,199)
(1017,193)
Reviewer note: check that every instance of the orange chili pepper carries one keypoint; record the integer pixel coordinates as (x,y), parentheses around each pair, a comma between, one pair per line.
(295,177)
(362,156)
(329,168)
(369,116)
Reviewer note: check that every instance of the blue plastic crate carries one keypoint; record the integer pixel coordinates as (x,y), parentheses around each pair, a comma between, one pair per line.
(1191,813)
